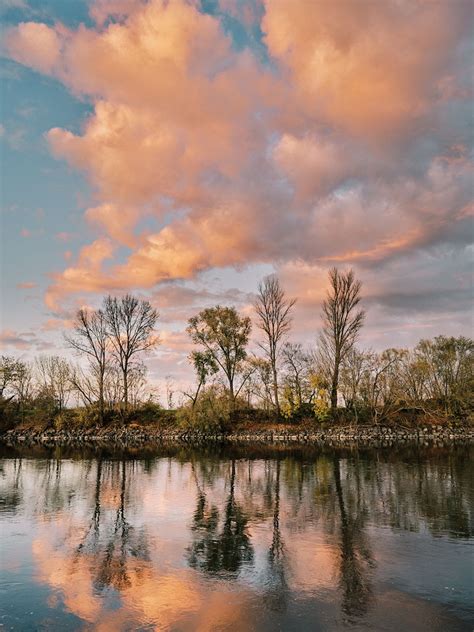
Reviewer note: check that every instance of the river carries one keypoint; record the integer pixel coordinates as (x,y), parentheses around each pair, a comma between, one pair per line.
(237,539)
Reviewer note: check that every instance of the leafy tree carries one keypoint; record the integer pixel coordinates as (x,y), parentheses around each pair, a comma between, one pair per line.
(224,335)
(205,366)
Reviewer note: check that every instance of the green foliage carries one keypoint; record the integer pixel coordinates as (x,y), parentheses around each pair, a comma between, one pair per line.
(224,335)
(210,413)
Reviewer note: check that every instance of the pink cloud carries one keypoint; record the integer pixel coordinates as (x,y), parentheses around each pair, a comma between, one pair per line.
(22,341)
(57,324)
(305,162)
(366,67)
(33,44)
(26,285)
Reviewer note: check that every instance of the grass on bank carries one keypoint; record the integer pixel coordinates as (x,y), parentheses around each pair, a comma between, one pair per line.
(212,413)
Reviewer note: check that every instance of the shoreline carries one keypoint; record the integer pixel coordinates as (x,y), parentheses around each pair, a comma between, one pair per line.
(337,436)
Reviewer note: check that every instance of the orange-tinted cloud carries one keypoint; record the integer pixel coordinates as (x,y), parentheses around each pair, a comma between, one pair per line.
(33,44)
(202,156)
(366,67)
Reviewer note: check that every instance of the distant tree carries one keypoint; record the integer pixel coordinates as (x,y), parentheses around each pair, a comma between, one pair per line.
(23,384)
(9,367)
(90,338)
(449,368)
(274,319)
(342,322)
(169,392)
(54,377)
(260,383)
(354,369)
(16,384)
(224,335)
(296,362)
(381,385)
(305,388)
(137,384)
(130,325)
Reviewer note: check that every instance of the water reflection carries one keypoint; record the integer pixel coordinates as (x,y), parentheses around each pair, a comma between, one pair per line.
(219,547)
(183,540)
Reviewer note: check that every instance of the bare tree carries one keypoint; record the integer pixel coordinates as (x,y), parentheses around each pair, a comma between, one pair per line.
(169,392)
(297,363)
(342,322)
(91,339)
(54,375)
(260,384)
(137,384)
(84,384)
(224,334)
(274,319)
(130,324)
(23,383)
(355,366)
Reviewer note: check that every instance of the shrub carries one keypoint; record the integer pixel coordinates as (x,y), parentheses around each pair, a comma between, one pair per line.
(211,412)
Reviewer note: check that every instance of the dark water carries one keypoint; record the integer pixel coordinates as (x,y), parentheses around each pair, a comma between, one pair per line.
(203,541)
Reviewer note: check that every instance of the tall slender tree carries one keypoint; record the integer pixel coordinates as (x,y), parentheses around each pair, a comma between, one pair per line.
(342,322)
(274,319)
(90,338)
(130,324)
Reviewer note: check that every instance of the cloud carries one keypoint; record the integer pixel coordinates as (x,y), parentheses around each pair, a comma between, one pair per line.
(34,44)
(103,10)
(26,285)
(346,145)
(57,324)
(368,68)
(22,341)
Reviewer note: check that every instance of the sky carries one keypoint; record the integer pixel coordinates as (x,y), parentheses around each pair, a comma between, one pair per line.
(182,150)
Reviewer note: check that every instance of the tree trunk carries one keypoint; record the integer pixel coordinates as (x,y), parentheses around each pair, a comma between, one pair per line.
(334,385)
(232,396)
(101,398)
(125,387)
(275,388)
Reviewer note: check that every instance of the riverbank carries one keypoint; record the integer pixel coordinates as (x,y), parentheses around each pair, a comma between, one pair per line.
(134,435)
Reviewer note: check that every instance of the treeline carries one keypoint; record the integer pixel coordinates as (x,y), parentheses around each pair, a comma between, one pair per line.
(334,381)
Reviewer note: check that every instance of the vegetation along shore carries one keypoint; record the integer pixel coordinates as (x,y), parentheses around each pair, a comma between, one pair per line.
(335,392)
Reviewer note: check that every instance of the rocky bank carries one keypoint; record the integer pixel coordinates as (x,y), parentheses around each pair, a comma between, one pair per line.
(364,436)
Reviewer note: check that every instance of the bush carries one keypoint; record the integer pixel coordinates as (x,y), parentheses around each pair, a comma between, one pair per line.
(148,412)
(211,412)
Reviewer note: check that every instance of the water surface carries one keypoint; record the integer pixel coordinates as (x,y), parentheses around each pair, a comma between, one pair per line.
(236,539)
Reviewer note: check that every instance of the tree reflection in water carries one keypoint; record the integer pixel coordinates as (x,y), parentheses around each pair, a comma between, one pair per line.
(219,545)
(118,541)
(278,590)
(355,556)
(242,525)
